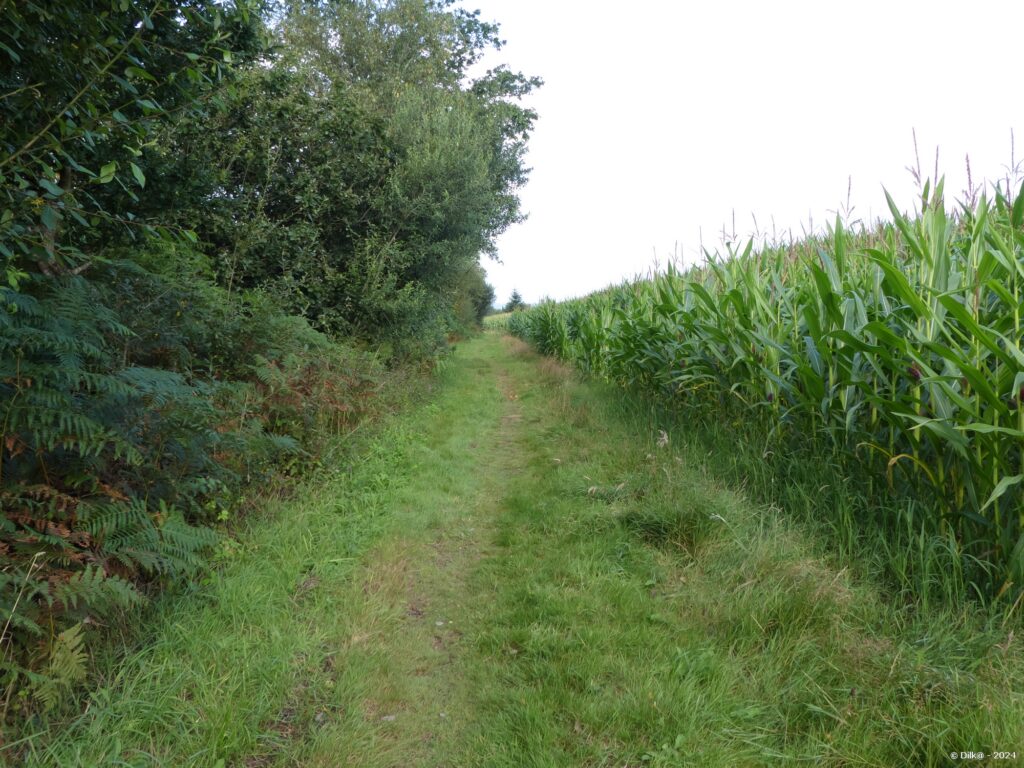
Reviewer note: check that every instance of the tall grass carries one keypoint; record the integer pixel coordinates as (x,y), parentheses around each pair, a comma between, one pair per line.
(897,351)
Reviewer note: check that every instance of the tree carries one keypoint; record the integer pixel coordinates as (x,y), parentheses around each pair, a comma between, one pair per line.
(515,302)
(474,297)
(362,175)
(84,84)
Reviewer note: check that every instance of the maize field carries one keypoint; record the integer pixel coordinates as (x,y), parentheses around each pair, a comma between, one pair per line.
(897,349)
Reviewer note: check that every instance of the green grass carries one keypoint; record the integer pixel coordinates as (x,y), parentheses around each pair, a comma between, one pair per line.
(214,669)
(526,573)
(640,611)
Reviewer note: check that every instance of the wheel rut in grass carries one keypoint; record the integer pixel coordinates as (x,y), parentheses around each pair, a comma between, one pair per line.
(409,599)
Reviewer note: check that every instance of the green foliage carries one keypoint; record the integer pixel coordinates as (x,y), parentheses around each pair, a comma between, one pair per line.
(102,454)
(378,241)
(897,352)
(85,85)
(192,194)
(476,295)
(514,302)
(125,435)
(66,667)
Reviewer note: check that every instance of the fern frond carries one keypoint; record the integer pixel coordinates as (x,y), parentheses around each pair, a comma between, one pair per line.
(66,668)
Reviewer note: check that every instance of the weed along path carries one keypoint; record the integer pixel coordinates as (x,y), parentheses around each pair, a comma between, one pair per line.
(523,573)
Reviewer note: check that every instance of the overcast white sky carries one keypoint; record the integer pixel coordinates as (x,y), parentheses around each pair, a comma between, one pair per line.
(660,119)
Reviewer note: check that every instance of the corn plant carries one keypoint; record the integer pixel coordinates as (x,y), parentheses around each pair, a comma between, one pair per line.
(899,349)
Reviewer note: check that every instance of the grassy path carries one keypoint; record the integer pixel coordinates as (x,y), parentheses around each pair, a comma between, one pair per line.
(526,573)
